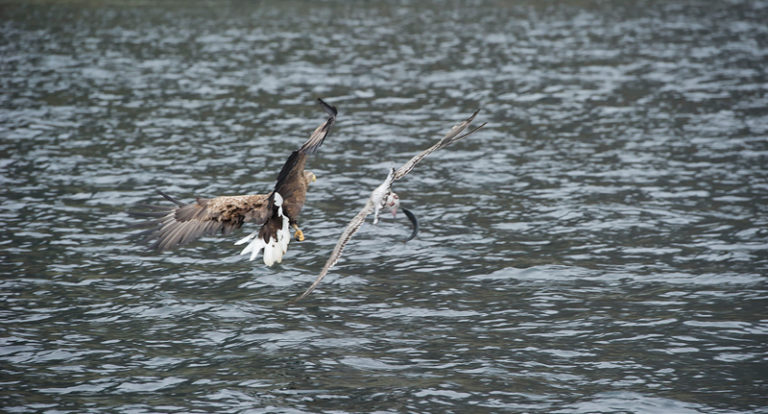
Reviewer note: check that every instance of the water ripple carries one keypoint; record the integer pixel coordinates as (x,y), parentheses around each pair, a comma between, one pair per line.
(600,246)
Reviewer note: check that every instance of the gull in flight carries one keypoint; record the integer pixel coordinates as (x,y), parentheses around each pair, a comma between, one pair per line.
(276,211)
(383,197)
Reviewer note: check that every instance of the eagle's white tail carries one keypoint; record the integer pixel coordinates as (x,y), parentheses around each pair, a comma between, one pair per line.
(274,249)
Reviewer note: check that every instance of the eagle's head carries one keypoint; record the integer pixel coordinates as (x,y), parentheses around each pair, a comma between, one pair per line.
(309,177)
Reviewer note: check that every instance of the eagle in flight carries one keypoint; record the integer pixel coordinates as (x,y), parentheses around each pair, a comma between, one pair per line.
(276,211)
(383,197)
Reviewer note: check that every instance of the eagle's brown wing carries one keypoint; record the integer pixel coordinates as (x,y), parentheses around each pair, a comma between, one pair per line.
(291,183)
(187,222)
(206,216)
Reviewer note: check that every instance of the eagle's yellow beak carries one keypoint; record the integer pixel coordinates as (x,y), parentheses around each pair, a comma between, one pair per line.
(313,177)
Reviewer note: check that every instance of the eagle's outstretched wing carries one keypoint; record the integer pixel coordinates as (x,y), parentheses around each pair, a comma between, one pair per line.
(291,182)
(381,194)
(274,211)
(288,197)
(185,223)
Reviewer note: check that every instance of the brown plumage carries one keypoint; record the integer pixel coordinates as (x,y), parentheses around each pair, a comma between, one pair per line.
(188,222)
(275,211)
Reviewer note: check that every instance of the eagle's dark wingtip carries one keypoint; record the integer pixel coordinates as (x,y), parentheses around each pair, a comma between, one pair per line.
(414,223)
(171,199)
(332,111)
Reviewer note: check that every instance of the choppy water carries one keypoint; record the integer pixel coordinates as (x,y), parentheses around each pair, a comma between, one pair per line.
(600,247)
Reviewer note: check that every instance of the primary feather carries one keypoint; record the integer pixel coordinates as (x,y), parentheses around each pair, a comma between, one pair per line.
(379,195)
(184,223)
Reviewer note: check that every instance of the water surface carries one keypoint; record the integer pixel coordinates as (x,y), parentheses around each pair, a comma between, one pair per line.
(601,246)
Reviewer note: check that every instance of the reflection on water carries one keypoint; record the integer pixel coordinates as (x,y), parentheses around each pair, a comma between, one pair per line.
(599,247)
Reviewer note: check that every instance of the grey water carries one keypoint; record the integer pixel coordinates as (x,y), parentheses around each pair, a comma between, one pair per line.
(601,246)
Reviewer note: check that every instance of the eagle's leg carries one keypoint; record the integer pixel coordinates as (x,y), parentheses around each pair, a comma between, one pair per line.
(299,235)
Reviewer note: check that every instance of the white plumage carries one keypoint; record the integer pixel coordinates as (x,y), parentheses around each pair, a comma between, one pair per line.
(380,195)
(273,249)
(383,196)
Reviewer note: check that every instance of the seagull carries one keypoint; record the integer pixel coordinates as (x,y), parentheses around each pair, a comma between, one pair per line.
(383,197)
(276,212)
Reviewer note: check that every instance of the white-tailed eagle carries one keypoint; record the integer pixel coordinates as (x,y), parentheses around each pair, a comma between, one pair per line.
(276,211)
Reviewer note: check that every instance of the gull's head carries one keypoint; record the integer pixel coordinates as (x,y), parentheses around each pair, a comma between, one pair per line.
(310,177)
(392,203)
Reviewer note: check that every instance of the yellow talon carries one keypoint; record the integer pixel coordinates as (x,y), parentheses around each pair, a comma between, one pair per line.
(299,235)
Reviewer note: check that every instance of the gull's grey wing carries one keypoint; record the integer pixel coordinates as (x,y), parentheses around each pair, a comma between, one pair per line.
(380,194)
(375,201)
(353,226)
(451,137)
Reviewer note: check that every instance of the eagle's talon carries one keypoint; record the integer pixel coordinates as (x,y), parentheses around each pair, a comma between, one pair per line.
(299,235)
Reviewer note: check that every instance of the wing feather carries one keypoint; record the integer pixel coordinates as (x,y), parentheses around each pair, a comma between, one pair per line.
(188,222)
(291,183)
(380,192)
(352,228)
(451,137)
(310,146)
(318,135)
